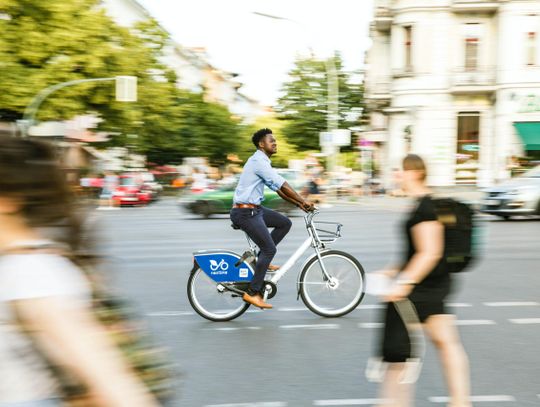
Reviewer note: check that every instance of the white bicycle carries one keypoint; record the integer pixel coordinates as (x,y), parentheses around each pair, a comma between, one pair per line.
(331,282)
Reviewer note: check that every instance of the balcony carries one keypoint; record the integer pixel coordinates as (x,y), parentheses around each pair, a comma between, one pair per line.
(383,16)
(475,6)
(378,93)
(466,81)
(404,72)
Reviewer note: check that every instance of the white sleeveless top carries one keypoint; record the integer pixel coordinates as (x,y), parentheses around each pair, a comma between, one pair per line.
(23,374)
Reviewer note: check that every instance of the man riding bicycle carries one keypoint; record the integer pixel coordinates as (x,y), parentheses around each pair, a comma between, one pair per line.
(254,219)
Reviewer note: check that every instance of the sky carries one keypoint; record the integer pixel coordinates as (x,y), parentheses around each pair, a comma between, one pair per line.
(262,50)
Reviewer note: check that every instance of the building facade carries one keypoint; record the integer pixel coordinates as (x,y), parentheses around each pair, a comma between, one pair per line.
(456,81)
(191,65)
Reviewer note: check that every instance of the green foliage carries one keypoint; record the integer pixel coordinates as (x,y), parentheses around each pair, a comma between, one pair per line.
(304,105)
(47,42)
(43,43)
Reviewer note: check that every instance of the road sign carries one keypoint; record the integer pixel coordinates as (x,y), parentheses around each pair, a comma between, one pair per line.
(337,138)
(126,88)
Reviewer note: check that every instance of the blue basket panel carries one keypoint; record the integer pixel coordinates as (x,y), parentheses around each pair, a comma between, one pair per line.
(220,267)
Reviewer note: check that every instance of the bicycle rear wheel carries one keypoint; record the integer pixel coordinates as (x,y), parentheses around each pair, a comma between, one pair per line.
(211,300)
(338,295)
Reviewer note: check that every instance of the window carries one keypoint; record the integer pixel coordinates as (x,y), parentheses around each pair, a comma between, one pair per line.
(531,48)
(472,45)
(467,153)
(408,48)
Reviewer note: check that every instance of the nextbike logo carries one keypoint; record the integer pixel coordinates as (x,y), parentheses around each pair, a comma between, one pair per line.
(219,268)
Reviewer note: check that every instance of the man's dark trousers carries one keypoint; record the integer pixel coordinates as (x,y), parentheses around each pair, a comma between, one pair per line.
(255,222)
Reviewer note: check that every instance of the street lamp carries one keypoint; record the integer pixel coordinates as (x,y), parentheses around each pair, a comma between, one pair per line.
(126,91)
(332,118)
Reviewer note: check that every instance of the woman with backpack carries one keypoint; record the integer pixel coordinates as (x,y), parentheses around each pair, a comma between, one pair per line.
(423,281)
(46,322)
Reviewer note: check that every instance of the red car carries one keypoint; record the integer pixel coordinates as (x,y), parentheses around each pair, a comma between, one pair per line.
(131,191)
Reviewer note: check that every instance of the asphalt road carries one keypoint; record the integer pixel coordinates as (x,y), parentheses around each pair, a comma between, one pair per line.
(291,357)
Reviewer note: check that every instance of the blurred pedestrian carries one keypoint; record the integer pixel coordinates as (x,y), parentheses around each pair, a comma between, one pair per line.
(45,299)
(106,198)
(200,181)
(423,281)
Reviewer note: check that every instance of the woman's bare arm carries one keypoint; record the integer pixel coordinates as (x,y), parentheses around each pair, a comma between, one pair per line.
(86,349)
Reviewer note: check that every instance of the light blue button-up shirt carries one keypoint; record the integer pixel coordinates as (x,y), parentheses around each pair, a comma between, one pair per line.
(257,173)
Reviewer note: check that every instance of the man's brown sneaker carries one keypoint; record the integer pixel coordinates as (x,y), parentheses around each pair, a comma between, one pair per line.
(256,300)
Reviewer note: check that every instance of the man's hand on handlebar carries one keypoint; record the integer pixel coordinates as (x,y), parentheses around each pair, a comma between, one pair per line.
(307,206)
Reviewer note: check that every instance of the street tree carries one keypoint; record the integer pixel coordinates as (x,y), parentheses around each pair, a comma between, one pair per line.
(304,104)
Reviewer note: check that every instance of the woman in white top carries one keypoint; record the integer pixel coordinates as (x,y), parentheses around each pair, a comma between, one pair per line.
(48,294)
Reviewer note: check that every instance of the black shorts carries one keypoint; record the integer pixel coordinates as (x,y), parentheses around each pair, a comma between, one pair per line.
(396,344)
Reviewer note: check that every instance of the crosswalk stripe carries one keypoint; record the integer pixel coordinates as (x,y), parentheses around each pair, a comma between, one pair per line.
(512,304)
(348,402)
(169,314)
(239,328)
(370,325)
(459,305)
(313,326)
(471,322)
(477,399)
(255,404)
(523,321)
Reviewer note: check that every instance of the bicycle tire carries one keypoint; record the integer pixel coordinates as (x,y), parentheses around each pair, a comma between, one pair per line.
(208,314)
(307,298)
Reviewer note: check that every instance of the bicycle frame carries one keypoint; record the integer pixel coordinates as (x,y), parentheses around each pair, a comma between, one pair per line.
(313,240)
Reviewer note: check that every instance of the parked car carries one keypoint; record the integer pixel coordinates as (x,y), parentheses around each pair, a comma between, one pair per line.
(518,196)
(131,191)
(150,184)
(220,200)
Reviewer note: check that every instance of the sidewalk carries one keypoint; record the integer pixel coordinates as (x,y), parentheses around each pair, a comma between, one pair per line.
(467,194)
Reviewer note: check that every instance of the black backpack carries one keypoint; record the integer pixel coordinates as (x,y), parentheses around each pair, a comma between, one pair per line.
(459,233)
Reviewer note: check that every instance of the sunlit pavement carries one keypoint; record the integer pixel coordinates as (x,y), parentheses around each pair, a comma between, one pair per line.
(291,357)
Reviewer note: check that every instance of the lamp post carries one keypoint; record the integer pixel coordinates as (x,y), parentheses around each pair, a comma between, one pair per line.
(126,91)
(332,116)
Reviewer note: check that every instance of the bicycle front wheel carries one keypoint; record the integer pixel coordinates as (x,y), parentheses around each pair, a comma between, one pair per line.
(337,295)
(211,300)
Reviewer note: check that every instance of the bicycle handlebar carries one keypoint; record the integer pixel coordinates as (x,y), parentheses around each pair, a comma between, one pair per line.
(310,215)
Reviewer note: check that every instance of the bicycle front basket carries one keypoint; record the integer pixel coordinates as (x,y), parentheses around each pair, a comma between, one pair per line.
(328,232)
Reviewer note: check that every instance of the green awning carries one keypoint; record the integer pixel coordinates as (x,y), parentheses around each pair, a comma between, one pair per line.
(530,134)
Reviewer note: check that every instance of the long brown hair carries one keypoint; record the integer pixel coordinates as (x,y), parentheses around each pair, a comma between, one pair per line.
(30,172)
(413,162)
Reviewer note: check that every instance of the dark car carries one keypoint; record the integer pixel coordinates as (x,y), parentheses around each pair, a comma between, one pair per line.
(518,196)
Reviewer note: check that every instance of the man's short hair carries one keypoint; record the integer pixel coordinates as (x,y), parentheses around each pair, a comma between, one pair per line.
(259,135)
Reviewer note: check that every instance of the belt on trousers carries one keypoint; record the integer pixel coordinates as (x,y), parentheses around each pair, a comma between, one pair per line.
(249,206)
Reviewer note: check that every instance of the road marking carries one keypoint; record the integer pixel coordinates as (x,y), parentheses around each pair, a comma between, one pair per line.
(292,309)
(459,305)
(371,306)
(169,314)
(256,404)
(235,328)
(314,326)
(370,325)
(523,321)
(359,307)
(348,402)
(477,399)
(471,322)
(512,304)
